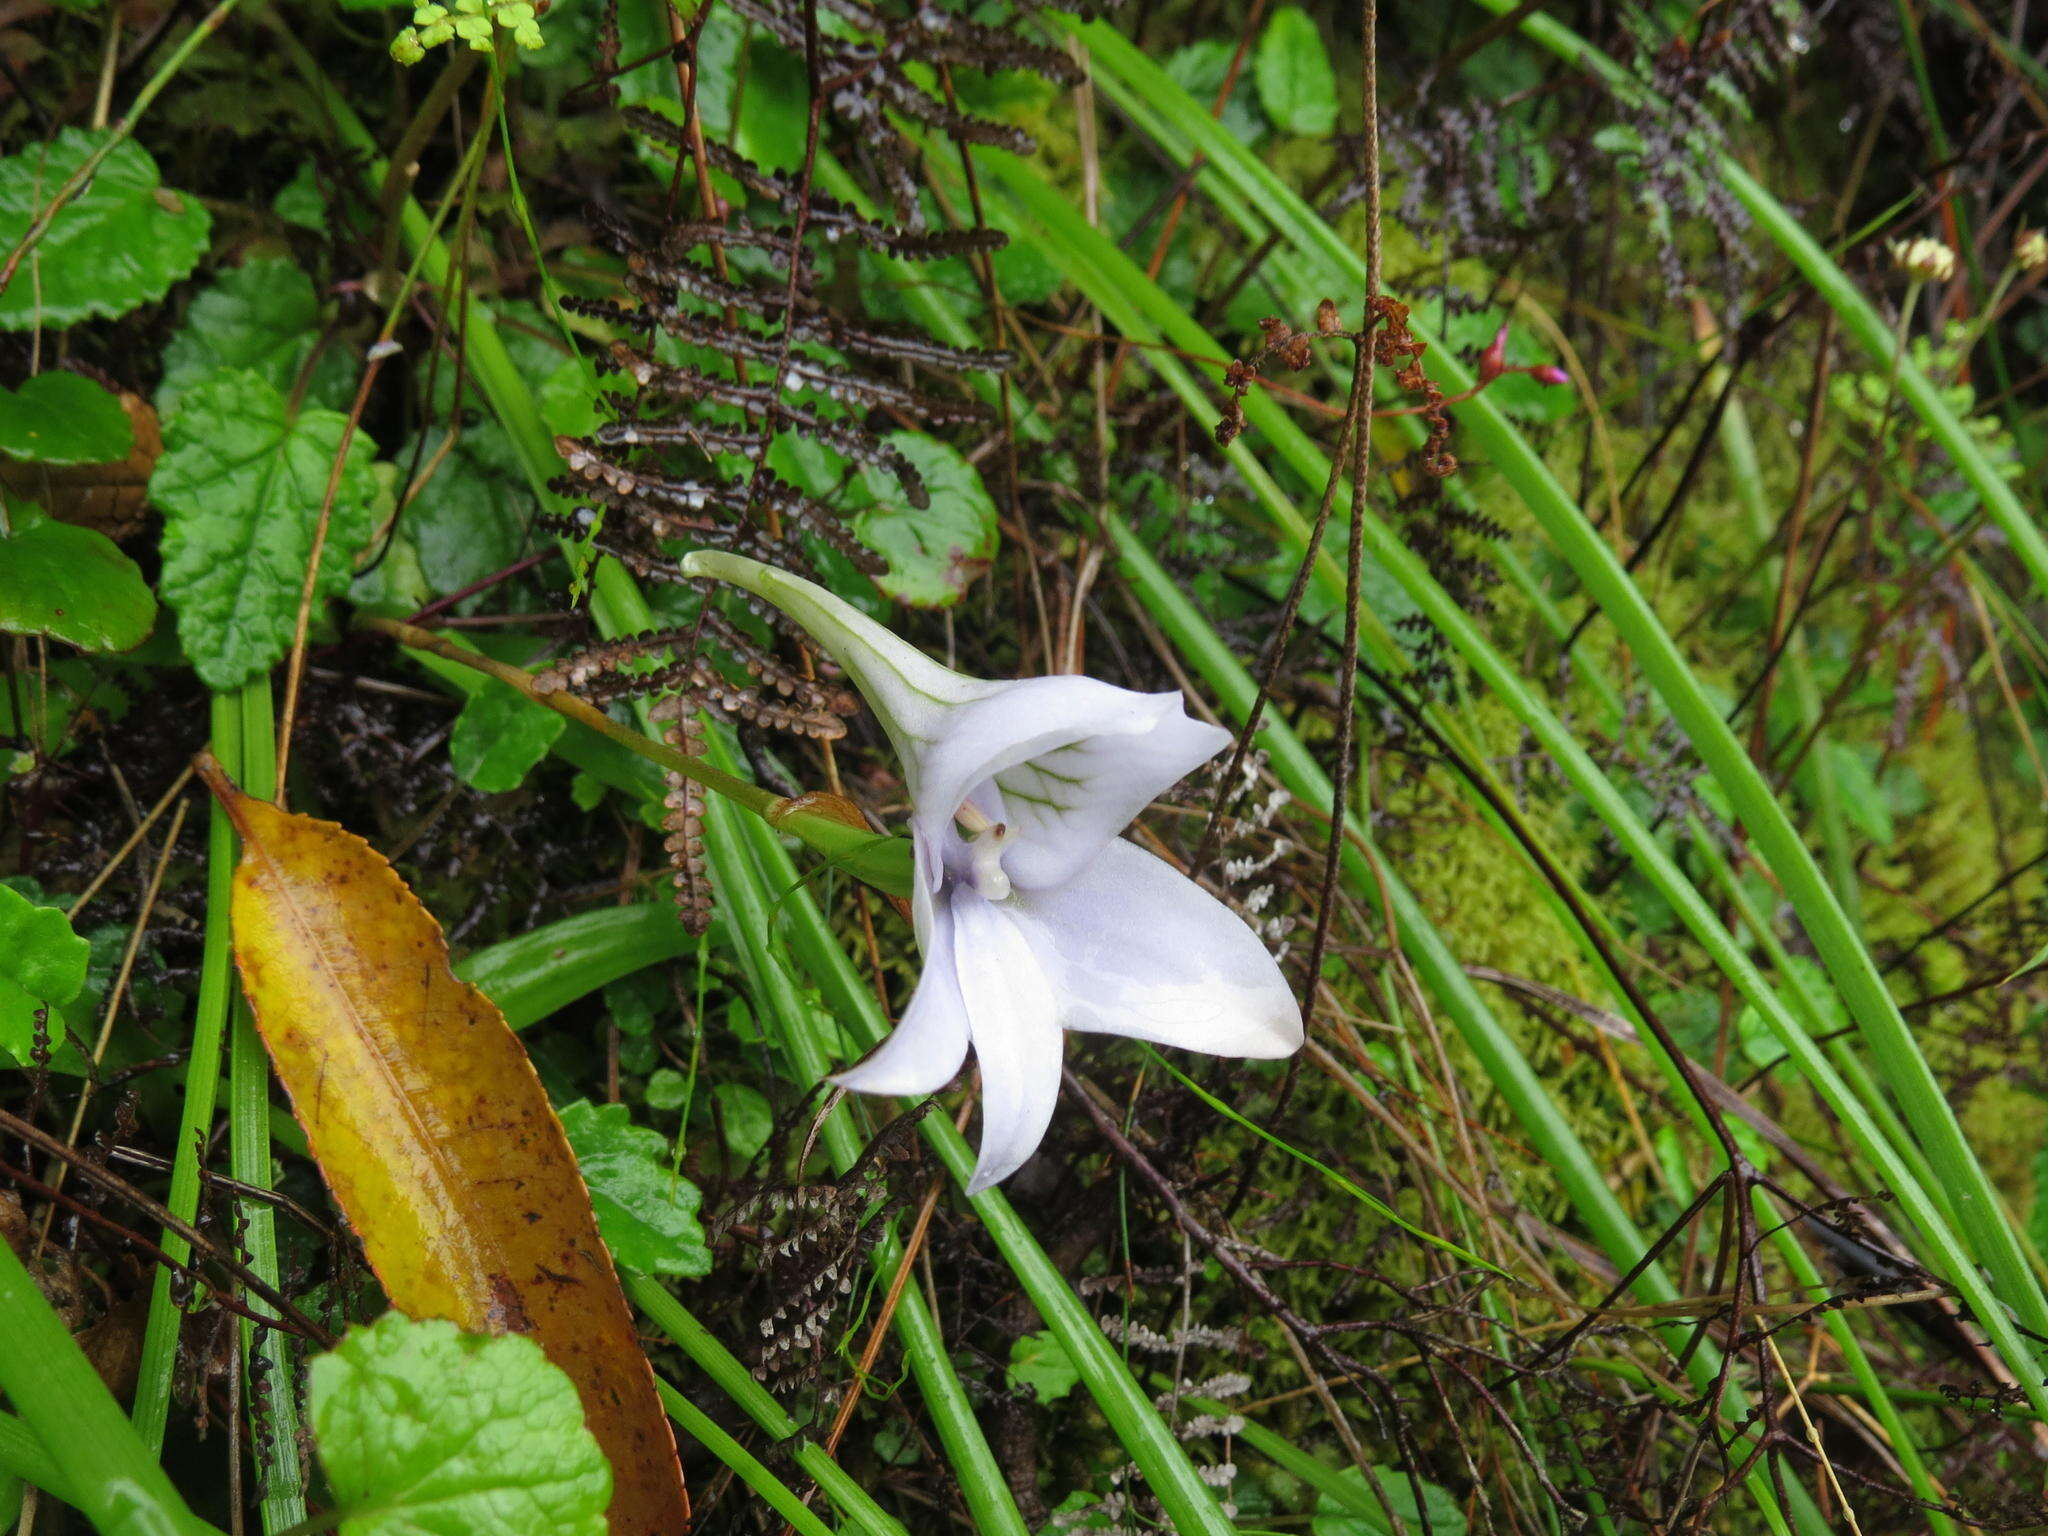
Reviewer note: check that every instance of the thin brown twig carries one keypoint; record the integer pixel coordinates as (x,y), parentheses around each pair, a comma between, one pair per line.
(121,853)
(115,994)
(872,1349)
(295,664)
(90,1170)
(1361,465)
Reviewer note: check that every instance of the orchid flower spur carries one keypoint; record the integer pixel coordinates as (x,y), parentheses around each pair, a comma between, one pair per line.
(1033,915)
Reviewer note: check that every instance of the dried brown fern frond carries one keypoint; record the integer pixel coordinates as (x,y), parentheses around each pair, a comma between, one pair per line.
(732,340)
(683,818)
(805,1243)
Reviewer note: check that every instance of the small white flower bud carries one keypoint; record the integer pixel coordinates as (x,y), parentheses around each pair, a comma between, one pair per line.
(1923,258)
(2030,251)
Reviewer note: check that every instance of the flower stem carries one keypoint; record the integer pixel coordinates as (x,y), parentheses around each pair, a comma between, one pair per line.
(883,862)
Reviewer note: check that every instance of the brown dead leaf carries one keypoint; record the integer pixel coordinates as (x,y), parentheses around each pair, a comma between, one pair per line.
(433,1131)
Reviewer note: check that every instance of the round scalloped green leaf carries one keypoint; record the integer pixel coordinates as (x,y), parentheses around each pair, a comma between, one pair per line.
(500,737)
(1359,1511)
(1039,1361)
(42,965)
(934,554)
(71,584)
(121,242)
(262,316)
(646,1211)
(240,486)
(63,418)
(428,1431)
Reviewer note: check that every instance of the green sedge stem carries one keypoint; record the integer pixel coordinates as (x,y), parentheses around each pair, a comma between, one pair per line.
(249,1160)
(103,1464)
(753,1399)
(705,1430)
(1987,1237)
(202,1086)
(747,889)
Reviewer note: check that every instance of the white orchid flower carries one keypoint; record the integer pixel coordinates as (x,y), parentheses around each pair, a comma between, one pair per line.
(1033,915)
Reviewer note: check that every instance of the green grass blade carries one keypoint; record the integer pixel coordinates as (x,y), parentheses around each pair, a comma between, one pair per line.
(1544,1125)
(1331,1175)
(24,1459)
(750,900)
(283,1478)
(753,1399)
(1146,1437)
(1348,1496)
(103,1463)
(774,1492)
(202,1086)
(1119,285)
(1858,316)
(544,970)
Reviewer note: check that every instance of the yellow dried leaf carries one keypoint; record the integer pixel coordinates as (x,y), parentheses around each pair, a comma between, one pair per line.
(432,1130)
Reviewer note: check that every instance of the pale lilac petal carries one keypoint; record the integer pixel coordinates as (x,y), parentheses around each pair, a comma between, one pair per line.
(1074,759)
(1065,805)
(925,1050)
(1134,947)
(1016,1033)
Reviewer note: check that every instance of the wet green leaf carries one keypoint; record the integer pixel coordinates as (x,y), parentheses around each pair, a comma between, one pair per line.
(240,485)
(896,1445)
(1761,1046)
(1863,798)
(1039,1361)
(71,584)
(1297,86)
(121,242)
(63,418)
(1201,68)
(746,1117)
(569,398)
(52,702)
(637,1001)
(428,1431)
(42,963)
(935,554)
(469,519)
(667,1089)
(1366,1515)
(394,585)
(300,202)
(646,1211)
(499,737)
(262,316)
